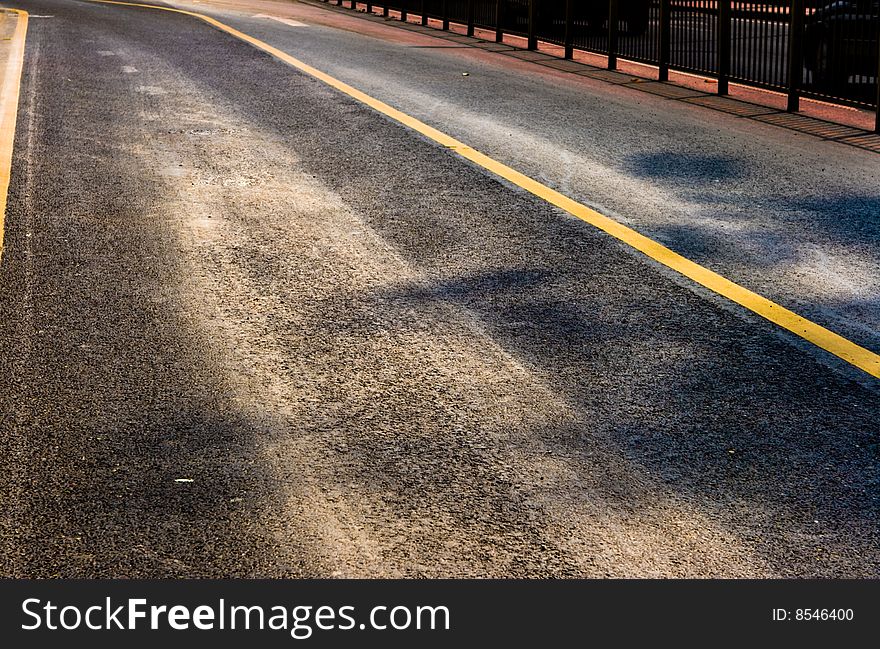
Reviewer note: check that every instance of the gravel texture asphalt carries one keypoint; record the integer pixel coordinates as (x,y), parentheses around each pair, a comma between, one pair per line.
(249,327)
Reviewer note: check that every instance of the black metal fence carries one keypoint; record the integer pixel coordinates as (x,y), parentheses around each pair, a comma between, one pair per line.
(825,49)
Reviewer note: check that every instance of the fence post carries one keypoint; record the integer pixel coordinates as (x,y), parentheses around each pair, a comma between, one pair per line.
(470,18)
(877,96)
(499,33)
(665,39)
(369,7)
(612,33)
(723,53)
(385,9)
(795,55)
(568,39)
(445,15)
(403,15)
(423,12)
(533,39)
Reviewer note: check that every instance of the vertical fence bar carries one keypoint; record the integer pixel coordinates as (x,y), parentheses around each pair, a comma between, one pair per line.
(385,9)
(568,39)
(665,27)
(795,55)
(877,82)
(423,11)
(445,15)
(369,7)
(612,33)
(470,18)
(403,14)
(723,52)
(533,39)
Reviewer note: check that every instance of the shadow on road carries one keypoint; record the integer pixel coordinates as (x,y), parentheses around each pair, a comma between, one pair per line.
(787,464)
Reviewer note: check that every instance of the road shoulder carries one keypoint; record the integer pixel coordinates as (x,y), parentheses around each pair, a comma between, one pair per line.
(13,29)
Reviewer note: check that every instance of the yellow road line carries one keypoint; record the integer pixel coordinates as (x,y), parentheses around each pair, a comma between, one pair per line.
(831,342)
(9,109)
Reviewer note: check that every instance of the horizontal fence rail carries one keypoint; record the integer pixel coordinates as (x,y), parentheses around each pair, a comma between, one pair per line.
(823,49)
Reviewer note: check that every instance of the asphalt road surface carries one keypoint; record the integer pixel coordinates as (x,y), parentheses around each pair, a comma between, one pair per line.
(789,217)
(250,327)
